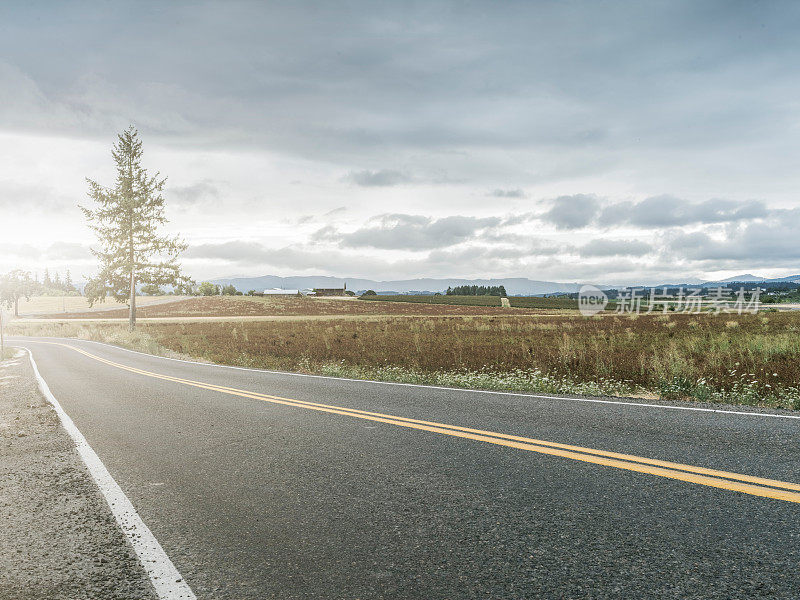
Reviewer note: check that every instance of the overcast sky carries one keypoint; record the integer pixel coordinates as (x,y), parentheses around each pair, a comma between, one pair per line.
(574,141)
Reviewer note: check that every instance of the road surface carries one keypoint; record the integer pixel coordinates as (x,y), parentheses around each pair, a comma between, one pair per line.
(267,485)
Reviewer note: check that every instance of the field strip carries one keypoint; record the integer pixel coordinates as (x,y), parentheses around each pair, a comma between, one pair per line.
(257,318)
(165,578)
(626,403)
(748,484)
(48,305)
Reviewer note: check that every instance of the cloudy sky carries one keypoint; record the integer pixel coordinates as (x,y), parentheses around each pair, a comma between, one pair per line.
(573,141)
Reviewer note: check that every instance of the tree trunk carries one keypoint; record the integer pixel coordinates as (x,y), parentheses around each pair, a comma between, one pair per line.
(132,319)
(16,307)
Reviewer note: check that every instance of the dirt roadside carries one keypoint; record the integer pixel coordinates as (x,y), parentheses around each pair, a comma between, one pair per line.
(58,538)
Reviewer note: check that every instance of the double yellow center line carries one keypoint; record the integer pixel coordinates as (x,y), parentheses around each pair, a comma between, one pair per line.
(747,484)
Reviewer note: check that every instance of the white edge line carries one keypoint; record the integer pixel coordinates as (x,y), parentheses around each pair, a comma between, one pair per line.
(441,387)
(167,581)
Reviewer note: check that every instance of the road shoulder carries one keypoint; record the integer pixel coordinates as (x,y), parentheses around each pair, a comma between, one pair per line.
(59,539)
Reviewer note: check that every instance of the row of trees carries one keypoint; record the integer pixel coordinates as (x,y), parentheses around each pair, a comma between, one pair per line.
(181,288)
(190,288)
(211,289)
(18,284)
(477,290)
(54,285)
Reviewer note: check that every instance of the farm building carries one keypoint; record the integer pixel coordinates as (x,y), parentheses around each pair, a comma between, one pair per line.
(331,291)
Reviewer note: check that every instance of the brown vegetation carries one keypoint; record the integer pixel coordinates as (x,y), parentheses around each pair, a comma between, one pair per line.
(243,306)
(557,303)
(674,356)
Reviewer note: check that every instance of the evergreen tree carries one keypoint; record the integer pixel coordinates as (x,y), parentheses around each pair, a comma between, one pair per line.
(68,285)
(126,220)
(47,282)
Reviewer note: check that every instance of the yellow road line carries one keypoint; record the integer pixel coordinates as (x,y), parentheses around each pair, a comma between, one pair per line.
(748,484)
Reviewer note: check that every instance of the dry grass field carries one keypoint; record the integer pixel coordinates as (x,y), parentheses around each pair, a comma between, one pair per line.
(751,359)
(42,305)
(247,306)
(516,301)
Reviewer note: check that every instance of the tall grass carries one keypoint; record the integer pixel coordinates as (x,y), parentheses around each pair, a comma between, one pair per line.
(562,303)
(118,335)
(701,357)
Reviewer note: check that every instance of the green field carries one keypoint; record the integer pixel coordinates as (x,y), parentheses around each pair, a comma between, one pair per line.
(516,301)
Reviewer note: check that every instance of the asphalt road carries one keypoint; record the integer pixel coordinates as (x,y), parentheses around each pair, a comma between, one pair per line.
(255,495)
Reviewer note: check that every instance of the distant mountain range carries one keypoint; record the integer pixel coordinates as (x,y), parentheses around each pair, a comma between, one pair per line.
(515,286)
(754,279)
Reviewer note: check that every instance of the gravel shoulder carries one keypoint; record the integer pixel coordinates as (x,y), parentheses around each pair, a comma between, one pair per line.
(59,539)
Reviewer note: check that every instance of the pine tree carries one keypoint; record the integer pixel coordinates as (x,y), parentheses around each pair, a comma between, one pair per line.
(47,282)
(126,221)
(68,285)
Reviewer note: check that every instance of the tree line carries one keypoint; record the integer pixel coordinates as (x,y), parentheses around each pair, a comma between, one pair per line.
(54,285)
(477,290)
(18,284)
(212,289)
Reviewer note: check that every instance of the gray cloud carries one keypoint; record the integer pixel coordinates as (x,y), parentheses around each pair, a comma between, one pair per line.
(500,193)
(519,219)
(572,212)
(771,243)
(327,216)
(326,234)
(196,193)
(604,248)
(518,254)
(687,97)
(255,255)
(582,210)
(416,232)
(24,251)
(683,84)
(67,251)
(28,197)
(383,178)
(668,211)
(237,251)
